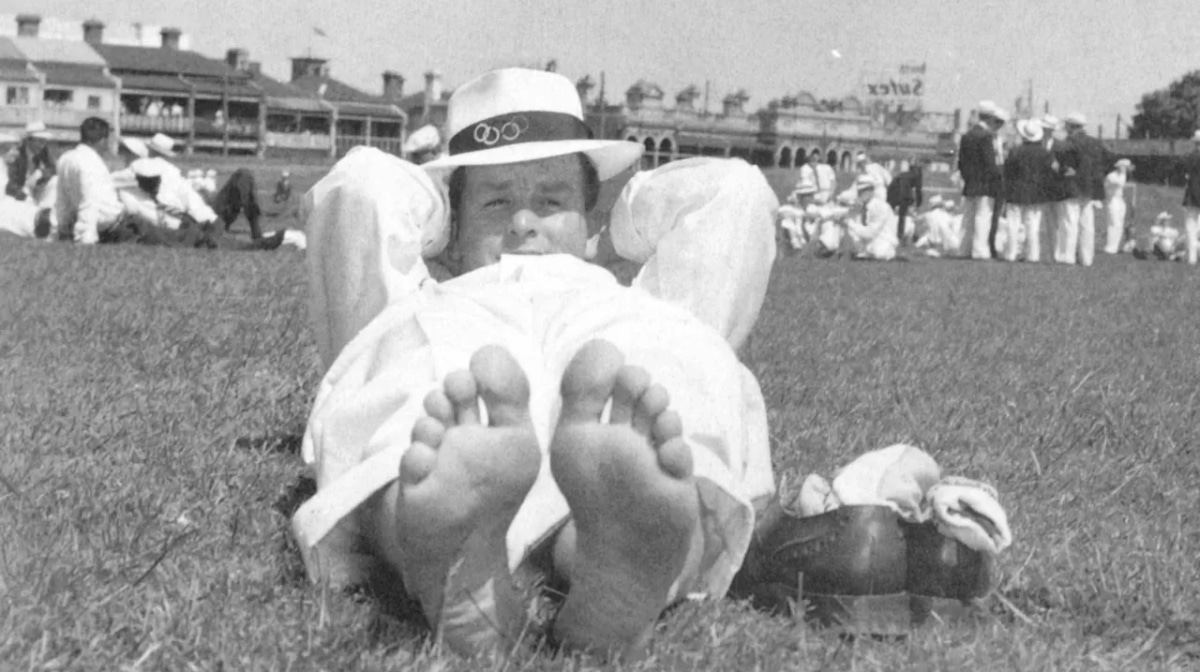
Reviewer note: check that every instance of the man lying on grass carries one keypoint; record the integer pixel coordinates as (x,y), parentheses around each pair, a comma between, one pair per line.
(532,407)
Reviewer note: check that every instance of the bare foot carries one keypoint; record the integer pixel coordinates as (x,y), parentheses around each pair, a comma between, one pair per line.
(461,483)
(633,502)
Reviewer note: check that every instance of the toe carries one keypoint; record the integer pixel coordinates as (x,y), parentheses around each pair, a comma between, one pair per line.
(428,431)
(438,406)
(651,405)
(462,393)
(416,465)
(666,427)
(675,459)
(502,386)
(588,381)
(631,384)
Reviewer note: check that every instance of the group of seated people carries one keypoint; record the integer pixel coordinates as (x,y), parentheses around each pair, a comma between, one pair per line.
(146,199)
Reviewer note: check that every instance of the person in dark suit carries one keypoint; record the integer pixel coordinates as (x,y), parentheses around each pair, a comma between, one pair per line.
(33,154)
(905,192)
(1027,171)
(978,164)
(1083,163)
(1191,201)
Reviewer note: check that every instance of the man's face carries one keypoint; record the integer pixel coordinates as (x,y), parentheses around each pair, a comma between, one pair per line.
(535,207)
(35,145)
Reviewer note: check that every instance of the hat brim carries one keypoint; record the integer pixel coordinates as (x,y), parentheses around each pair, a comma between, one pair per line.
(609,156)
(160,151)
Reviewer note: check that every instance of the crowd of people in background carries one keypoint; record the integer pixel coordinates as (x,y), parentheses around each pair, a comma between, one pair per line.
(1056,178)
(90,195)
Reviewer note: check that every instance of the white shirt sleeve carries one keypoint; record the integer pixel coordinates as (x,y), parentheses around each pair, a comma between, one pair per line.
(704,230)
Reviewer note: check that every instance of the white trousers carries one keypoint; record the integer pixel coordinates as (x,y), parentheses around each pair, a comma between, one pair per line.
(977,219)
(1028,218)
(395,334)
(1114,216)
(1075,239)
(1191,232)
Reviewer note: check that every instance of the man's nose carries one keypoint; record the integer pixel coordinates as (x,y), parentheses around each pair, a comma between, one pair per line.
(526,223)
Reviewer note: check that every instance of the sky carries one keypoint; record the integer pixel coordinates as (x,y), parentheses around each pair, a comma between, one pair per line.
(1093,56)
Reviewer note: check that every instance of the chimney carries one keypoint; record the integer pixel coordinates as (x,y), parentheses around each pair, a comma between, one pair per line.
(238,59)
(27,25)
(307,66)
(93,31)
(393,86)
(254,68)
(170,38)
(433,87)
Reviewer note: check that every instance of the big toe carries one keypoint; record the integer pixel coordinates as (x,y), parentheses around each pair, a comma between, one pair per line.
(502,386)
(588,381)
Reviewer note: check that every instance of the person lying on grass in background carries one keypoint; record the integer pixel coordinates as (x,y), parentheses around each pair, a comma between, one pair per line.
(238,196)
(531,412)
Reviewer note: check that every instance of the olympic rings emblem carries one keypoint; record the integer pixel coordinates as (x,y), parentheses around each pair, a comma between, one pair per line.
(487,134)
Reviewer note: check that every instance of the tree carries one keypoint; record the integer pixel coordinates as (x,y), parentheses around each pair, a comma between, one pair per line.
(1173,112)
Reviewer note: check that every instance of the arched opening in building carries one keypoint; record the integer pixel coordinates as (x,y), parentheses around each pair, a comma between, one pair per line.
(650,155)
(665,149)
(831,158)
(847,161)
(785,157)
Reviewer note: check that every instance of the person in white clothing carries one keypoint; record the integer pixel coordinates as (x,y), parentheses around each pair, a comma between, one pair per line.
(821,175)
(874,237)
(1114,205)
(863,165)
(86,204)
(940,232)
(461,426)
(169,202)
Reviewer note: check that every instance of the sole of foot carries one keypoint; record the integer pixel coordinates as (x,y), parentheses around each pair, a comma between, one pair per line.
(461,484)
(634,505)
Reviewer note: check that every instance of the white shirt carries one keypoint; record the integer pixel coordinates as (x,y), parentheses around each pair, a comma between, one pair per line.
(87,201)
(175,197)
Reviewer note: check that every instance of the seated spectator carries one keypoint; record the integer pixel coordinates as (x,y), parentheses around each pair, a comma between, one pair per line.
(30,166)
(873,233)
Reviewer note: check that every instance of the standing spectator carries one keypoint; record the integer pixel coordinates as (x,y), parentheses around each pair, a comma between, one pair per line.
(1114,205)
(865,166)
(1191,199)
(1026,172)
(283,188)
(904,192)
(30,157)
(981,175)
(1056,194)
(86,203)
(1083,163)
(819,174)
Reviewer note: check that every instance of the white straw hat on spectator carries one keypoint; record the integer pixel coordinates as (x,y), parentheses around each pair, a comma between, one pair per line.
(1050,122)
(986,108)
(516,114)
(1076,119)
(37,129)
(865,182)
(135,147)
(151,167)
(936,201)
(1124,163)
(424,139)
(162,144)
(1030,130)
(1000,114)
(1196,136)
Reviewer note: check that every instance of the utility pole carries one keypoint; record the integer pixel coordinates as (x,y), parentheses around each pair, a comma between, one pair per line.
(704,115)
(603,108)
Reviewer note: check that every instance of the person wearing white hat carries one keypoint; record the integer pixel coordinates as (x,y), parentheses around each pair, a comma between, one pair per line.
(820,175)
(31,167)
(978,164)
(423,145)
(1191,200)
(283,188)
(873,232)
(865,166)
(633,509)
(1114,205)
(163,209)
(942,234)
(795,221)
(1027,170)
(1083,163)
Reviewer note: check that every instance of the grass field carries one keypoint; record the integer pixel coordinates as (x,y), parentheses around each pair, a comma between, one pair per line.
(151,404)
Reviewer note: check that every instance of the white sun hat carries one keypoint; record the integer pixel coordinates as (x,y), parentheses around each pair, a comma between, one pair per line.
(37,129)
(151,167)
(515,114)
(1030,130)
(1050,122)
(1196,136)
(135,146)
(162,143)
(1076,119)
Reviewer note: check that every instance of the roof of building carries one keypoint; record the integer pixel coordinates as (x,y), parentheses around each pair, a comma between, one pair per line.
(288,97)
(41,50)
(9,51)
(418,100)
(16,70)
(161,61)
(348,99)
(154,84)
(75,74)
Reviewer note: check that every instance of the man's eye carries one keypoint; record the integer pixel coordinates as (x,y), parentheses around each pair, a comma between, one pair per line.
(496,203)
